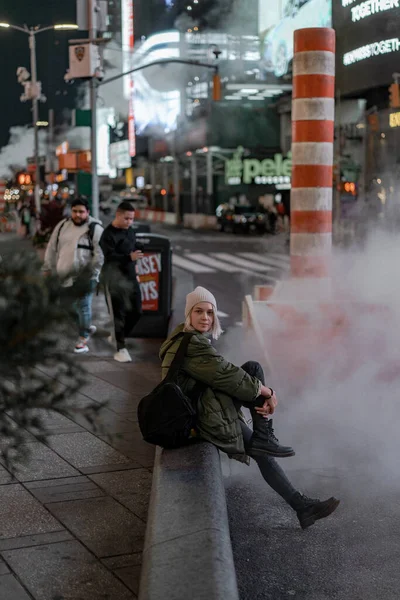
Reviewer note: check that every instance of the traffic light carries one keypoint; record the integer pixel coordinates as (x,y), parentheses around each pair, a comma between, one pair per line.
(373,121)
(394,95)
(350,188)
(24,179)
(216,88)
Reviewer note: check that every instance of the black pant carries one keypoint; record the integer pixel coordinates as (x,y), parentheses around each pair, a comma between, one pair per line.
(126,312)
(269,468)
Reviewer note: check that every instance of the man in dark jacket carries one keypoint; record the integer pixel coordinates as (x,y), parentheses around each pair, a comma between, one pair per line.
(121,253)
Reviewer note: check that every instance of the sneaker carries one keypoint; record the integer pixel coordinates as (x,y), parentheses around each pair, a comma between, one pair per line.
(264,441)
(81,346)
(123,356)
(92,329)
(312,509)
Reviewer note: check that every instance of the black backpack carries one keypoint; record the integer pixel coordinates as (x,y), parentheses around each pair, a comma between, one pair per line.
(166,416)
(92,227)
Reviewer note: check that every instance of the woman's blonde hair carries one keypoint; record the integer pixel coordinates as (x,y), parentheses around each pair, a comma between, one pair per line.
(216,329)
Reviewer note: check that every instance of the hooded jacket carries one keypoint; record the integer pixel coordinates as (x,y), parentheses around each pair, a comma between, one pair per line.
(218,417)
(64,257)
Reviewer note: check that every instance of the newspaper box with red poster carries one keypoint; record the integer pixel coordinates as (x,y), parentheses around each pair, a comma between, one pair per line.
(149,269)
(155,274)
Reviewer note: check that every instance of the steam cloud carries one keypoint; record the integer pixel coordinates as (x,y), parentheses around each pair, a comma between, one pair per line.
(14,156)
(337,383)
(229,16)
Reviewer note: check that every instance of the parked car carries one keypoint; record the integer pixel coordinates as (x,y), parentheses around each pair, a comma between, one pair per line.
(278,41)
(110,205)
(241,219)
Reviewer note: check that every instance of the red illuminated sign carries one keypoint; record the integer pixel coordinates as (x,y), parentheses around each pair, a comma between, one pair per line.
(149,269)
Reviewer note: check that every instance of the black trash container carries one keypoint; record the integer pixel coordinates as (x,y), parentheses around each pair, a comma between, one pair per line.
(155,272)
(141,227)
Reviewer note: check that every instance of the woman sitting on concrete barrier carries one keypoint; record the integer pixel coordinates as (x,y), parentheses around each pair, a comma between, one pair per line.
(228,388)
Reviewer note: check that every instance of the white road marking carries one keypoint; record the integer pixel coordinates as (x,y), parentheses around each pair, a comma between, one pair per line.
(284,257)
(222,315)
(188,265)
(198,263)
(212,262)
(222,266)
(247,264)
(265,259)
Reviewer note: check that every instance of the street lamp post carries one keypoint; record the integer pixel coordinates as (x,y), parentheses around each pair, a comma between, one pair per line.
(35,91)
(35,111)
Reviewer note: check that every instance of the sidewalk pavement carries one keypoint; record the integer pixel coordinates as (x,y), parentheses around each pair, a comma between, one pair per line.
(72,521)
(12,242)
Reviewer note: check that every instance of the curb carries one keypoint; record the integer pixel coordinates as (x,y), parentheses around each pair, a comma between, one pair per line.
(187,551)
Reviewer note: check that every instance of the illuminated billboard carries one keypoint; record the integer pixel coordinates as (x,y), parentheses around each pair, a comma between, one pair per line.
(278,20)
(160,92)
(368,43)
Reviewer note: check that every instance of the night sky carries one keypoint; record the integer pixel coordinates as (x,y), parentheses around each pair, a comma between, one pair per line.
(52,60)
(52,49)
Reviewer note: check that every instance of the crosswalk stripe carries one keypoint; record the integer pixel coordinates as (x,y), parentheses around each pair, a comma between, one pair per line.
(222,266)
(249,265)
(212,262)
(222,315)
(188,265)
(284,257)
(265,259)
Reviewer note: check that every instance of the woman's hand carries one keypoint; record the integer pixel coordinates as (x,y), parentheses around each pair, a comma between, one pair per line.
(271,402)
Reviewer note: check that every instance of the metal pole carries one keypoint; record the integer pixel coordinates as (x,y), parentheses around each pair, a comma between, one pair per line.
(93,109)
(153,184)
(51,141)
(194,183)
(176,187)
(35,111)
(210,180)
(338,192)
(93,145)
(165,186)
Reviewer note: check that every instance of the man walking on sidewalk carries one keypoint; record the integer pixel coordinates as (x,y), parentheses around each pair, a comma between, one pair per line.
(121,252)
(73,246)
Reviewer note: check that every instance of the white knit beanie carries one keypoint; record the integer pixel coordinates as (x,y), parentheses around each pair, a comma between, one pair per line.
(200,294)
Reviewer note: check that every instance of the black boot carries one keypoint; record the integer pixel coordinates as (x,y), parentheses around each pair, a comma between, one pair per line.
(264,441)
(309,510)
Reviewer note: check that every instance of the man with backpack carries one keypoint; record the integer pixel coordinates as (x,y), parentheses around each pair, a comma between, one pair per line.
(74,247)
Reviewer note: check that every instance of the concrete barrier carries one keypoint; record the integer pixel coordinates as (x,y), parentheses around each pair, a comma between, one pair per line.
(187,552)
(157,216)
(190,221)
(199,221)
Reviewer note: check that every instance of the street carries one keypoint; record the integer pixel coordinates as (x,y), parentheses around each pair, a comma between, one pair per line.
(229,265)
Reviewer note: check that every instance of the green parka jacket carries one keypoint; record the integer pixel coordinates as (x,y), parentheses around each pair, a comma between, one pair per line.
(218,418)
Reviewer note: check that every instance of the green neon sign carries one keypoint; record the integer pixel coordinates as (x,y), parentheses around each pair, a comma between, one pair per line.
(251,170)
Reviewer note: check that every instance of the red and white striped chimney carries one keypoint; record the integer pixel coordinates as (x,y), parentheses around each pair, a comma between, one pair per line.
(312,153)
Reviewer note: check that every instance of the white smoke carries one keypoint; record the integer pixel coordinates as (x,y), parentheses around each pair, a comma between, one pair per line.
(229,16)
(111,95)
(14,156)
(337,379)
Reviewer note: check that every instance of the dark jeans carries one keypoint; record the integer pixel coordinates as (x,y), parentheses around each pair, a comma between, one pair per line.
(269,468)
(82,306)
(126,313)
